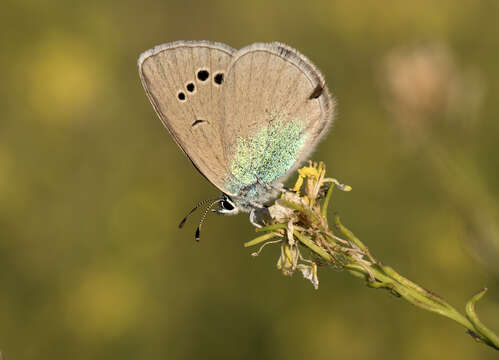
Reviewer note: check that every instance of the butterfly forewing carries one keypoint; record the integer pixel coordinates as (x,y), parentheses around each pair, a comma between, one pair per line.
(179,79)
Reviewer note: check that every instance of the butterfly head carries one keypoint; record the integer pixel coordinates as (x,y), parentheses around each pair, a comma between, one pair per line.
(226,206)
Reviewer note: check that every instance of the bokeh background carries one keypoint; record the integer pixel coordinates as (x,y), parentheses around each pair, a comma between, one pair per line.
(92,264)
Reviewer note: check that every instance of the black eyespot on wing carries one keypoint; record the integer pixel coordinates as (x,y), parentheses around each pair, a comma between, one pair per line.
(181,96)
(190,87)
(219,78)
(197,122)
(203,75)
(317,92)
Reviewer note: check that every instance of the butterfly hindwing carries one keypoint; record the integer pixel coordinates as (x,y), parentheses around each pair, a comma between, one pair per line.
(276,109)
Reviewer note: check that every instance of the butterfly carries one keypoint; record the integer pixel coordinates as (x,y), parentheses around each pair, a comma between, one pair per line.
(246,118)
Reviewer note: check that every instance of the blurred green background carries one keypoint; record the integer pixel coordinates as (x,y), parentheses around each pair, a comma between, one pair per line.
(92,264)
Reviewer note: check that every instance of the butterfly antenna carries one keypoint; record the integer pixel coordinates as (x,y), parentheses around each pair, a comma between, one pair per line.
(198,230)
(201,203)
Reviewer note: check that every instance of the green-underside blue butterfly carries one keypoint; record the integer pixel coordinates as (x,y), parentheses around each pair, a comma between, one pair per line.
(245,118)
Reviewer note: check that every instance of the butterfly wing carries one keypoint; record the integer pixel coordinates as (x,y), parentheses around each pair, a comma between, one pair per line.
(276,109)
(181,80)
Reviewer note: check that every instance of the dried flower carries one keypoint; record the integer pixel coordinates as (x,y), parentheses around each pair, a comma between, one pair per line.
(299,222)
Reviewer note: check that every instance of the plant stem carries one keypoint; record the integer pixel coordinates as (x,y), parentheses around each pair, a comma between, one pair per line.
(388,278)
(307,223)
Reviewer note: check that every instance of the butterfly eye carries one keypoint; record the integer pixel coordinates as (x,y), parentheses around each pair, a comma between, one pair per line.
(190,87)
(226,205)
(181,96)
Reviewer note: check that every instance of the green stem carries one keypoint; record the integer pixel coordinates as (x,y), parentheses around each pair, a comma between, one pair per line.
(312,246)
(416,298)
(348,234)
(406,282)
(388,278)
(326,200)
(490,338)
(271,227)
(353,255)
(261,239)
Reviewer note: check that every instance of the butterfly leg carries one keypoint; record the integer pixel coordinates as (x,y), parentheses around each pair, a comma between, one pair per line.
(283,188)
(256,205)
(280,187)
